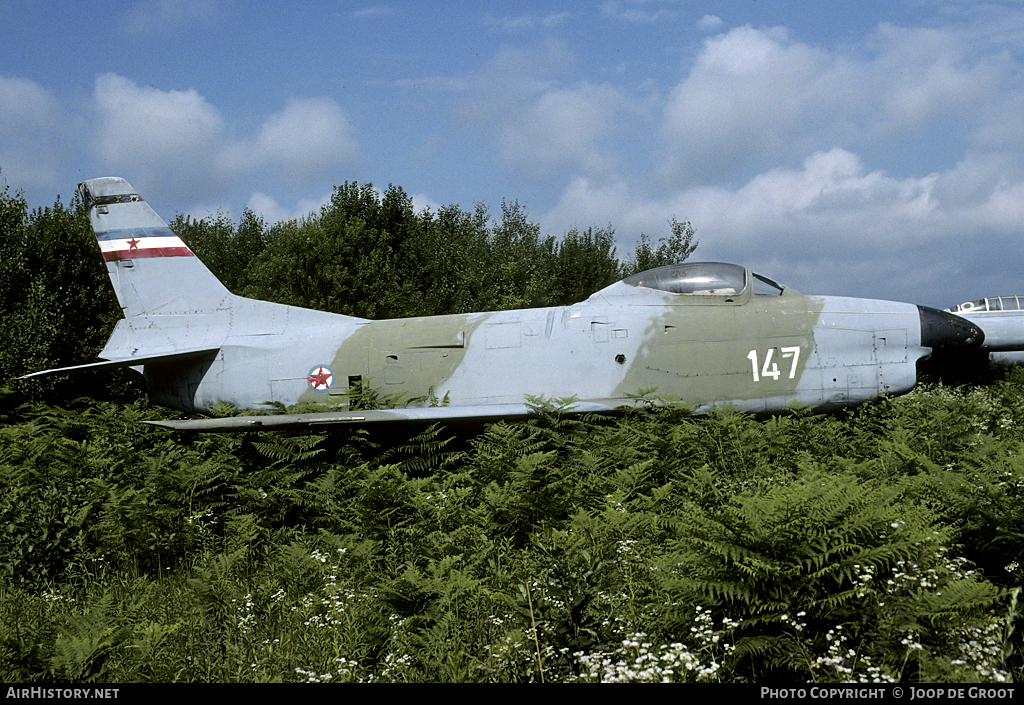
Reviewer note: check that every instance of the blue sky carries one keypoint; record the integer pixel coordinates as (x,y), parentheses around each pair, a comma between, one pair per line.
(863,148)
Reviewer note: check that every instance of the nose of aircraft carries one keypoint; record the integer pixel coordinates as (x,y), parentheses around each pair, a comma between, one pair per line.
(941,330)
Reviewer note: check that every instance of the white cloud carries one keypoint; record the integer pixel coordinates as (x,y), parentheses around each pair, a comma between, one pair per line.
(832,225)
(266,206)
(162,15)
(709,22)
(422,202)
(521,23)
(919,73)
(24,103)
(755,96)
(562,126)
(308,139)
(163,139)
(272,212)
(516,76)
(374,12)
(831,193)
(600,202)
(441,84)
(542,122)
(749,95)
(33,134)
(176,141)
(635,11)
(137,122)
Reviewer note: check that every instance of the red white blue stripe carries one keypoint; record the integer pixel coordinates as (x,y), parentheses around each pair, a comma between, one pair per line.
(139,243)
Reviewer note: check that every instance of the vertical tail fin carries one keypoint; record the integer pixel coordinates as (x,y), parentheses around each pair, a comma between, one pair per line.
(152,270)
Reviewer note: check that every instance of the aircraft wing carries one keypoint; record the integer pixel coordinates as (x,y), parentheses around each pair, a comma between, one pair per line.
(169,356)
(284,422)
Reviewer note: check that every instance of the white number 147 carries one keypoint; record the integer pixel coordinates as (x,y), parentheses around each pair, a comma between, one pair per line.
(771,368)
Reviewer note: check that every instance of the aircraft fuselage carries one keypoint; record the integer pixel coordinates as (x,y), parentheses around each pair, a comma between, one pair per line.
(704,334)
(760,353)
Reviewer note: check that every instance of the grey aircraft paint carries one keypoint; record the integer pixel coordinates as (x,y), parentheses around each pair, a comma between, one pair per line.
(704,333)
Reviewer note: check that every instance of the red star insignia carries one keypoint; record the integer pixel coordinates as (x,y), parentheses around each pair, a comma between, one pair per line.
(320,379)
(133,244)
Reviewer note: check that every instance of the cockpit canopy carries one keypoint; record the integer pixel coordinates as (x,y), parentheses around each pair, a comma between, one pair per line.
(994,303)
(703,279)
(707,278)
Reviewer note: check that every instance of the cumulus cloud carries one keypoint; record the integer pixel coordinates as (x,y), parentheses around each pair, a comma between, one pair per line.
(755,96)
(422,202)
(748,95)
(521,23)
(636,11)
(143,122)
(166,139)
(307,139)
(176,140)
(561,126)
(922,72)
(832,225)
(516,76)
(374,12)
(780,152)
(543,122)
(272,212)
(33,137)
(786,209)
(709,22)
(24,103)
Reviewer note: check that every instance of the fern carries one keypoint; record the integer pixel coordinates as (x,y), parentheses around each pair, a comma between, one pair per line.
(287,449)
(424,452)
(820,547)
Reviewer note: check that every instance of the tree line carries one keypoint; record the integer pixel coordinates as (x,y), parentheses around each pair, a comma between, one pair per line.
(372,255)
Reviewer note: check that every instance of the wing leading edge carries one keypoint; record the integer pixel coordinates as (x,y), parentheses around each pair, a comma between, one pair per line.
(284,422)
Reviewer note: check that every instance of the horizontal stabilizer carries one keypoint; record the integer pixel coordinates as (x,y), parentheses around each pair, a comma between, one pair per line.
(129,362)
(358,417)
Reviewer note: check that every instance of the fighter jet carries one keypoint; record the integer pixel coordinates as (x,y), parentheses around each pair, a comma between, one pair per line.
(1001,318)
(705,334)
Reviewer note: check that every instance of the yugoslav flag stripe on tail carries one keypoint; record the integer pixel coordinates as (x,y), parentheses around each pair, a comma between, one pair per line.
(153,272)
(136,243)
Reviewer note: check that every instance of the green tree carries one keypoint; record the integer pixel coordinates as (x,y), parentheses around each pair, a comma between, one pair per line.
(516,268)
(227,251)
(56,304)
(583,262)
(343,259)
(447,262)
(674,249)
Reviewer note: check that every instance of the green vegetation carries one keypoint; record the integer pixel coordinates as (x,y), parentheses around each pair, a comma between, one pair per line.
(883,544)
